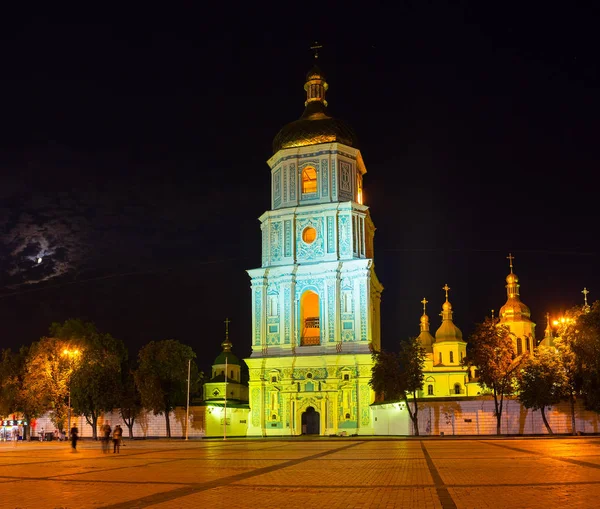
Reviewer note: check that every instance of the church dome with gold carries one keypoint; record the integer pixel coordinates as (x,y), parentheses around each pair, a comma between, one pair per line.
(447,330)
(315,126)
(514,310)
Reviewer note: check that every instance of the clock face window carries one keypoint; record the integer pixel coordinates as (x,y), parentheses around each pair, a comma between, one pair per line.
(309,235)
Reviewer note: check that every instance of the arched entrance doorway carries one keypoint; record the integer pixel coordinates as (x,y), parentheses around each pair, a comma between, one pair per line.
(311,422)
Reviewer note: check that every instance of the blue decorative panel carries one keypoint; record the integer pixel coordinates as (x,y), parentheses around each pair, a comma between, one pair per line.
(315,250)
(330,235)
(345,236)
(363,311)
(257,315)
(286,325)
(292,181)
(345,181)
(276,241)
(324,178)
(331,310)
(265,254)
(273,328)
(285,183)
(277,189)
(287,236)
(333,180)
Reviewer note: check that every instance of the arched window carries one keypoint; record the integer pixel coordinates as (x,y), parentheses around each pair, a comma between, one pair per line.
(451,357)
(310,315)
(440,357)
(456,388)
(309,180)
(519,346)
(430,390)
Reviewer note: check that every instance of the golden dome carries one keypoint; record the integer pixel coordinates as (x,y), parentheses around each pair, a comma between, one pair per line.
(424,320)
(448,332)
(514,310)
(315,126)
(512,278)
(446,306)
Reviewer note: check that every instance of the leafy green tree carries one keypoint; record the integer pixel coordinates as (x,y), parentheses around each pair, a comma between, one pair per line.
(400,375)
(46,378)
(490,350)
(161,376)
(130,400)
(542,382)
(14,397)
(583,334)
(94,381)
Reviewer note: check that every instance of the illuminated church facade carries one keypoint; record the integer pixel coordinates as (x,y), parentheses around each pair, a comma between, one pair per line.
(445,376)
(316,297)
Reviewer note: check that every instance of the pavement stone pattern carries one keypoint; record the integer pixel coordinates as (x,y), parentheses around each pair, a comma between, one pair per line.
(289,473)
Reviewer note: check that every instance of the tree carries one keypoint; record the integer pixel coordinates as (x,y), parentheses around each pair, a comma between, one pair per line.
(45,378)
(161,376)
(490,351)
(398,375)
(582,332)
(14,396)
(130,400)
(94,381)
(542,382)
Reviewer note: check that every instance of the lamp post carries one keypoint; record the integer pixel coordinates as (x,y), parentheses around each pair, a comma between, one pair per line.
(69,354)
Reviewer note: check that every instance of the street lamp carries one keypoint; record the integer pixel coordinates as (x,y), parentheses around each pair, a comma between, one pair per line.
(70,354)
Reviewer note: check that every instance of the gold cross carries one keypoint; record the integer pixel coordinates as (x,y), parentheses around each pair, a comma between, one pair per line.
(492,314)
(227,322)
(446,287)
(424,302)
(511,258)
(316,47)
(585,292)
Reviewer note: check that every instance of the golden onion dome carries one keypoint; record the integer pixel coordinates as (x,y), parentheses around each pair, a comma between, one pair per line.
(315,126)
(514,310)
(512,278)
(448,332)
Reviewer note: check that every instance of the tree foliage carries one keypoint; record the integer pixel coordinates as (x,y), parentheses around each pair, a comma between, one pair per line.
(14,393)
(95,372)
(583,334)
(161,376)
(491,352)
(45,378)
(130,400)
(542,382)
(398,375)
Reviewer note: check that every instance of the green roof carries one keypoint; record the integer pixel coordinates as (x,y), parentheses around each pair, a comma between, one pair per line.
(231,359)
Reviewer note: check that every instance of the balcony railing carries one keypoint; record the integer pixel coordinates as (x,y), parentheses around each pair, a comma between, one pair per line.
(310,341)
(311,322)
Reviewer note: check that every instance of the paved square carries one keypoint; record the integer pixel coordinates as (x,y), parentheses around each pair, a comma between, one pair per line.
(350,472)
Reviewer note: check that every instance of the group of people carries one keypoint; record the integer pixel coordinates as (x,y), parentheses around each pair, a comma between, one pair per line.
(117,436)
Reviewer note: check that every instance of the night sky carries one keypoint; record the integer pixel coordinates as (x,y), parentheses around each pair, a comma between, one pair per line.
(134,144)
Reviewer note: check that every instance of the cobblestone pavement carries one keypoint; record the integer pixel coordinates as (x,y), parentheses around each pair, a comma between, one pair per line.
(298,473)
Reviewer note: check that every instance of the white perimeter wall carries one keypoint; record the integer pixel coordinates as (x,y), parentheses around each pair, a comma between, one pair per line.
(476,417)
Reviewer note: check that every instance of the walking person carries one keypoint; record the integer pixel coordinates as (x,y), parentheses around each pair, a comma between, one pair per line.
(74,438)
(117,435)
(105,436)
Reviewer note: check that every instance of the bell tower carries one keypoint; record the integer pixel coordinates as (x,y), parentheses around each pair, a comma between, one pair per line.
(315,298)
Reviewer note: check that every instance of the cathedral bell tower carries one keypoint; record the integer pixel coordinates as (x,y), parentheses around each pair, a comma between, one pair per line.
(315,298)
